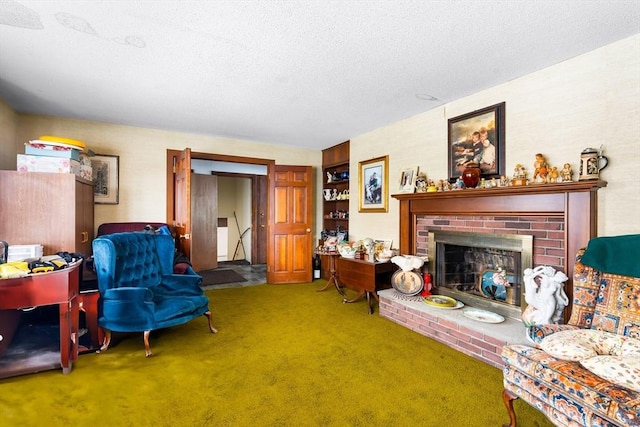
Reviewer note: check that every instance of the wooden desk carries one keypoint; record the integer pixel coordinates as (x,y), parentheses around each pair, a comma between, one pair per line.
(365,277)
(59,288)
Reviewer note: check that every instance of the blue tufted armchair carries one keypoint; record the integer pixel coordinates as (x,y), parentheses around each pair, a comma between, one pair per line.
(138,290)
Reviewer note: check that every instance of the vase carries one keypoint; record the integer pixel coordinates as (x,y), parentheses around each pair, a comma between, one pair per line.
(471,175)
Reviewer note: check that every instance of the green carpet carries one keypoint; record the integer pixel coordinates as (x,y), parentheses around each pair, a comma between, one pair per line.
(284,356)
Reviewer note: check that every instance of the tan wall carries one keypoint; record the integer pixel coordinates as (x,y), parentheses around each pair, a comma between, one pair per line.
(8,119)
(142,159)
(587,101)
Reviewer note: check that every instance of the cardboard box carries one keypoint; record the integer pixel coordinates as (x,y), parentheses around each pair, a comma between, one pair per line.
(38,149)
(30,163)
(22,252)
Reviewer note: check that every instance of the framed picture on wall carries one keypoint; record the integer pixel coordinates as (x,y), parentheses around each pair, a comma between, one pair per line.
(477,137)
(105,179)
(407,180)
(373,184)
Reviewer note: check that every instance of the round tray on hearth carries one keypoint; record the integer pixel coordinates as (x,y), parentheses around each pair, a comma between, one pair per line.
(407,282)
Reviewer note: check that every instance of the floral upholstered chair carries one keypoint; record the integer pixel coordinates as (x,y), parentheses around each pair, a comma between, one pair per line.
(587,373)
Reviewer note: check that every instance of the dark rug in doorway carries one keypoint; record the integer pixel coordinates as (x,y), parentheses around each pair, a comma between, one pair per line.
(219,276)
(234,262)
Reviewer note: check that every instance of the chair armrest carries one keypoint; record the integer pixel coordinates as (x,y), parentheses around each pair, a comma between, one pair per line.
(189,270)
(128,294)
(179,285)
(127,309)
(537,333)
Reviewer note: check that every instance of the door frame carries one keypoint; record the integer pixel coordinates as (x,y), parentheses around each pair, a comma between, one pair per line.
(171,154)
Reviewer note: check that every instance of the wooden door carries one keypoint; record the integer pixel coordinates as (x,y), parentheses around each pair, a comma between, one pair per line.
(182,200)
(84,218)
(259,233)
(204,222)
(290,239)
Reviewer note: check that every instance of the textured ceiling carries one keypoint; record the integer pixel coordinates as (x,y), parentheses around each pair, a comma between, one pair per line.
(306,73)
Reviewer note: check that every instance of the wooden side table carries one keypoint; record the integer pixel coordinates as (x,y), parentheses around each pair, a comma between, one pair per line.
(54,288)
(365,277)
(333,279)
(89,305)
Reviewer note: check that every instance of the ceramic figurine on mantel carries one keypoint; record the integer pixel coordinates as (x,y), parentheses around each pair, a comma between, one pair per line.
(541,169)
(566,173)
(519,175)
(421,182)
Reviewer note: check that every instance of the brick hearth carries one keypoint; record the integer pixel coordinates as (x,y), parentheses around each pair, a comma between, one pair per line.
(483,341)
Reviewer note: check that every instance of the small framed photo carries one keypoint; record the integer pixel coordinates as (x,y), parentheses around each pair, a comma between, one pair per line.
(408,180)
(386,244)
(478,137)
(373,177)
(105,179)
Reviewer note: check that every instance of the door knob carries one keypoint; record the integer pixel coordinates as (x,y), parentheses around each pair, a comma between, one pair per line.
(186,236)
(308,230)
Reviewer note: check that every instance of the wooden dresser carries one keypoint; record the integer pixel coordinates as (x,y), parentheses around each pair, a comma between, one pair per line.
(51,209)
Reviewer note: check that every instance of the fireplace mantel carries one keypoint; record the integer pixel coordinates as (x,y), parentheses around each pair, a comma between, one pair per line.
(570,209)
(574,202)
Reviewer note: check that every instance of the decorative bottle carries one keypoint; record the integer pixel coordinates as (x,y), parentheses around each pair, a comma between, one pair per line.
(317,267)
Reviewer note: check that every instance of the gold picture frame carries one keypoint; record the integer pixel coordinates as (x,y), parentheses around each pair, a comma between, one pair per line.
(373,185)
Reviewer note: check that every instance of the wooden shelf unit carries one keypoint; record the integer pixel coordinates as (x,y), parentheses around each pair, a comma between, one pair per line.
(334,159)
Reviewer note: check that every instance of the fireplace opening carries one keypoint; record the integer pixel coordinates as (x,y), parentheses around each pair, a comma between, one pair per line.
(483,270)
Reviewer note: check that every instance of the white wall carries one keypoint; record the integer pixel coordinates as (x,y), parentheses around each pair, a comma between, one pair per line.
(587,101)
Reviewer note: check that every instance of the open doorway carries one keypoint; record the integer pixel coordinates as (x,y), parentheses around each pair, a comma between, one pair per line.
(241,206)
(241,235)
(240,230)
(282,213)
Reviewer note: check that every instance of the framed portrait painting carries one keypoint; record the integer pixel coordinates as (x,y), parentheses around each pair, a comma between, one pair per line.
(373,177)
(105,179)
(477,137)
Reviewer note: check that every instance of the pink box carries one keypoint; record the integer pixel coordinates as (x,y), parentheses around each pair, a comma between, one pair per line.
(86,172)
(29,163)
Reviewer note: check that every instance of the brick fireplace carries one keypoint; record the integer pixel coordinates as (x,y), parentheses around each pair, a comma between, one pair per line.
(561,218)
